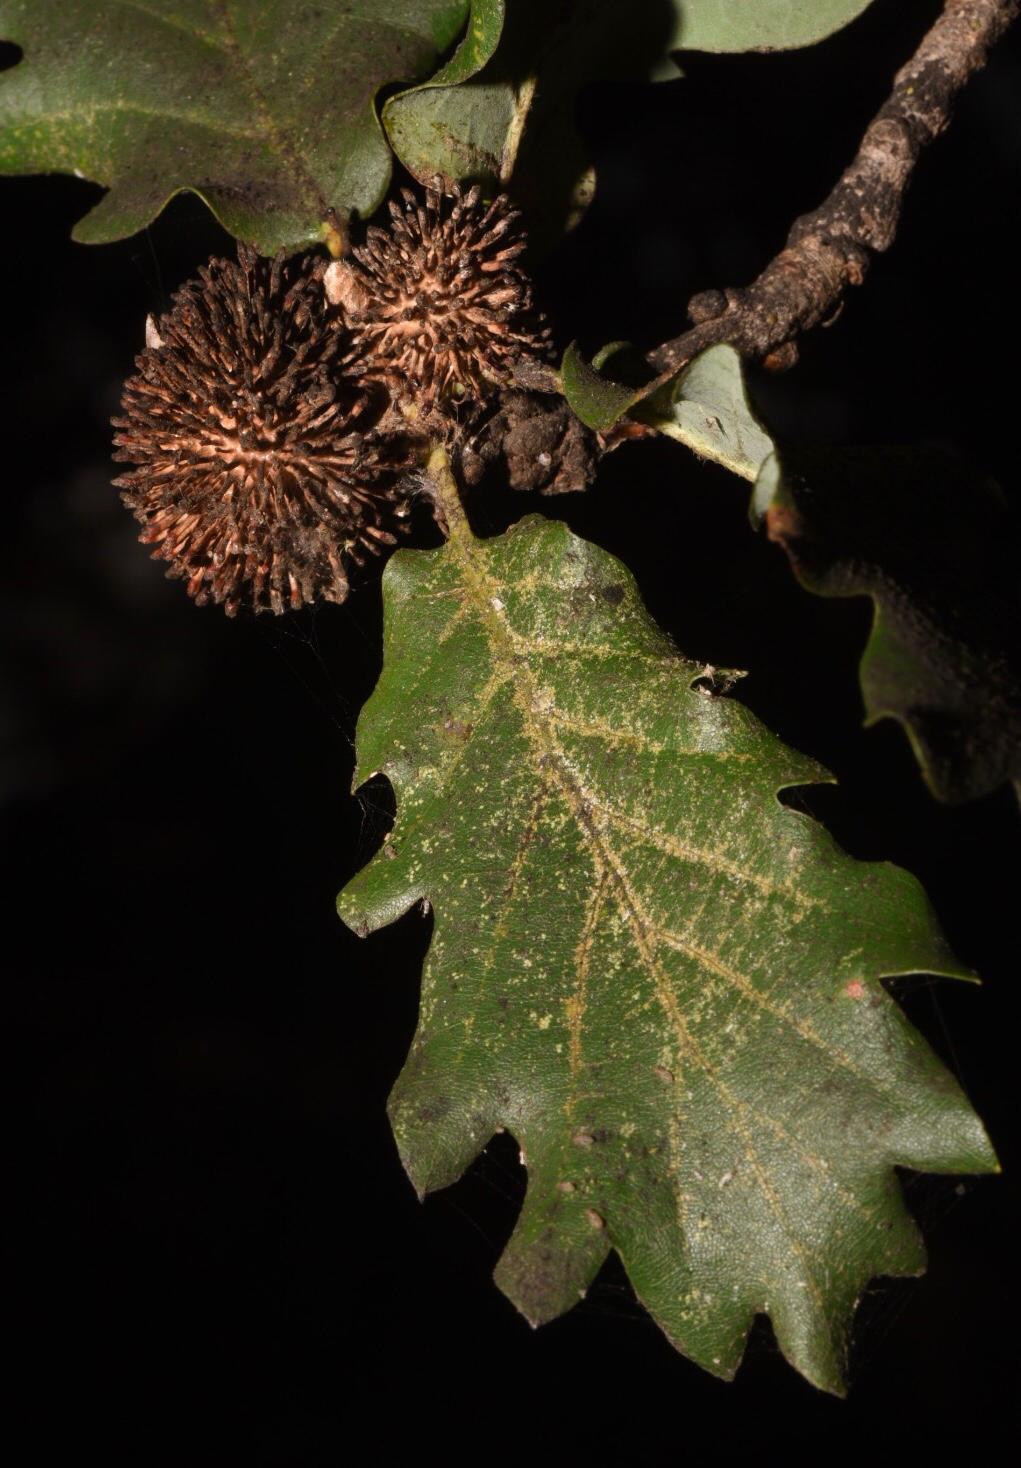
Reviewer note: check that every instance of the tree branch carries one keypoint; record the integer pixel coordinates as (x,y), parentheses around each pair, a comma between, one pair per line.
(829,249)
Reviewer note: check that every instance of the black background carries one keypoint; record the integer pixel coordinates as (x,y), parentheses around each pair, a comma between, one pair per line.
(221,1260)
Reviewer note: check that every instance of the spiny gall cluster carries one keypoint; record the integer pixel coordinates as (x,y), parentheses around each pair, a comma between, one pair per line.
(438,305)
(255,477)
(269,421)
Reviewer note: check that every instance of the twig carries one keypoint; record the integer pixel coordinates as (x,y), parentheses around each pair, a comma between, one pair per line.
(829,249)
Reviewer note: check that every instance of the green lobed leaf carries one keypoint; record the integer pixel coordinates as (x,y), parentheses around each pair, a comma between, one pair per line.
(502,112)
(760,25)
(937,550)
(504,105)
(458,132)
(264,108)
(594,398)
(705,406)
(664,983)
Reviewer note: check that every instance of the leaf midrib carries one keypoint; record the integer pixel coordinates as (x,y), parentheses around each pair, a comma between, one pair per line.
(276,136)
(265,129)
(490,610)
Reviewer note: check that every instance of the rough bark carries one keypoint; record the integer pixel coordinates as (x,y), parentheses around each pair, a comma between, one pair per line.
(830,248)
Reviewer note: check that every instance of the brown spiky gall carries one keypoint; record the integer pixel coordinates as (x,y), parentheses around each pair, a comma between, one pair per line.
(258,475)
(439,305)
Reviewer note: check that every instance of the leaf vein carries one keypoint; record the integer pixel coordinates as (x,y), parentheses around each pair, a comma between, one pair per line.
(534,708)
(745,987)
(276,135)
(173,22)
